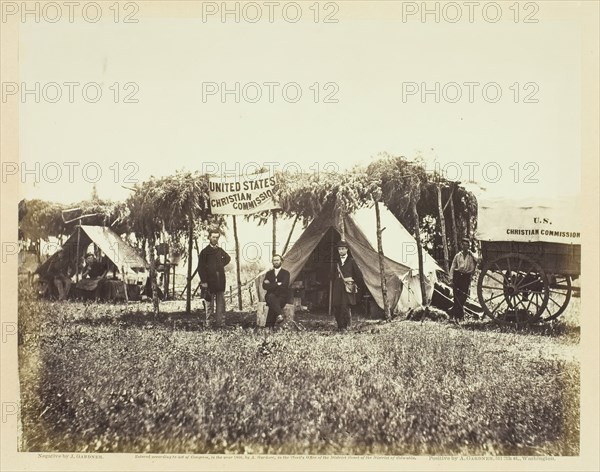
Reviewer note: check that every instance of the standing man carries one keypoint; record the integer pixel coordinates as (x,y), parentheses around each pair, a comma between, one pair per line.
(345,271)
(461,272)
(277,284)
(211,268)
(59,273)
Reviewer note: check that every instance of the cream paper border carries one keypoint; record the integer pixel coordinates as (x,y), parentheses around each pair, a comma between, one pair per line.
(586,13)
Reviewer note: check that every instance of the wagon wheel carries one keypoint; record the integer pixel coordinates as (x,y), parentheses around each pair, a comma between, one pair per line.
(513,289)
(560,294)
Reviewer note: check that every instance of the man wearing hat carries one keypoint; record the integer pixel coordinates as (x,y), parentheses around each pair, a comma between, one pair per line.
(461,272)
(344,273)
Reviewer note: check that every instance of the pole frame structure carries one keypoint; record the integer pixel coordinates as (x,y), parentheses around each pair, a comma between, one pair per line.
(237,263)
(386,306)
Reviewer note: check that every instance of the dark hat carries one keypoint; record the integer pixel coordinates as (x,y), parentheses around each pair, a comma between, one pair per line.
(342,243)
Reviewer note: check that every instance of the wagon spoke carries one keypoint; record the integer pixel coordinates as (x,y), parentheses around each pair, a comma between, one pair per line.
(519,267)
(520,302)
(529,304)
(501,282)
(495,296)
(536,281)
(489,287)
(560,292)
(555,302)
(497,306)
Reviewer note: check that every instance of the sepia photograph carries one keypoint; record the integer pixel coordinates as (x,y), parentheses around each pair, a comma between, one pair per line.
(306,235)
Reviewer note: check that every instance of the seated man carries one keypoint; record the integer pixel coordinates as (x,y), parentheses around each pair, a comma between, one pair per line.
(58,273)
(94,273)
(276,283)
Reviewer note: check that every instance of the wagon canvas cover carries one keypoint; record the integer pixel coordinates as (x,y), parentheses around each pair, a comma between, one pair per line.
(547,219)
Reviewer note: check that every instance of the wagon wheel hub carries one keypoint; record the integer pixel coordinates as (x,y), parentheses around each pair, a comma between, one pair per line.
(513,288)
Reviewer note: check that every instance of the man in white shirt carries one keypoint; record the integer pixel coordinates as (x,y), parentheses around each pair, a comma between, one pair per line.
(461,272)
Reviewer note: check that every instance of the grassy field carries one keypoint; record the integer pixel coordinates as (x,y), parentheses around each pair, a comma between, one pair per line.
(112,378)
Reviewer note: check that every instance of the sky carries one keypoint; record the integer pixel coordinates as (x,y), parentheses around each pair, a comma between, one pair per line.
(374,65)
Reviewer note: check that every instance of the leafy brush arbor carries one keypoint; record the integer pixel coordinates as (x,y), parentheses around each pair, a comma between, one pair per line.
(306,196)
(414,196)
(175,204)
(404,186)
(39,220)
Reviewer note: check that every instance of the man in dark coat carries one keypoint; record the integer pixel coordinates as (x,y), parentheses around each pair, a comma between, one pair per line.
(277,284)
(59,274)
(211,268)
(92,277)
(345,268)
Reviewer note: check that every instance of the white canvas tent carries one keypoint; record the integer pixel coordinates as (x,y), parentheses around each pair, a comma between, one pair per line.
(400,263)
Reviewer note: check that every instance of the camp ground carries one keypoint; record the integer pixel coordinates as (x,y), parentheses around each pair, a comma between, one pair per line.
(310,259)
(126,371)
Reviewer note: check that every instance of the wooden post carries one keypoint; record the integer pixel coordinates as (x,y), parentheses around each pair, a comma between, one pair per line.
(330,271)
(167,272)
(386,306)
(468,235)
(250,293)
(454,231)
(77,253)
(419,252)
(237,265)
(173,283)
(287,243)
(151,250)
(197,248)
(442,227)
(187,284)
(274,251)
(188,299)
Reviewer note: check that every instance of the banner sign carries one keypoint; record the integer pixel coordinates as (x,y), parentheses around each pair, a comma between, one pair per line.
(552,220)
(241,194)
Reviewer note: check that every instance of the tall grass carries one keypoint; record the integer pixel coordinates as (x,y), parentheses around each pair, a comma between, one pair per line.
(99,379)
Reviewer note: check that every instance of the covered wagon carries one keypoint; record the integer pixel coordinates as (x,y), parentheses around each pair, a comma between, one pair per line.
(531,254)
